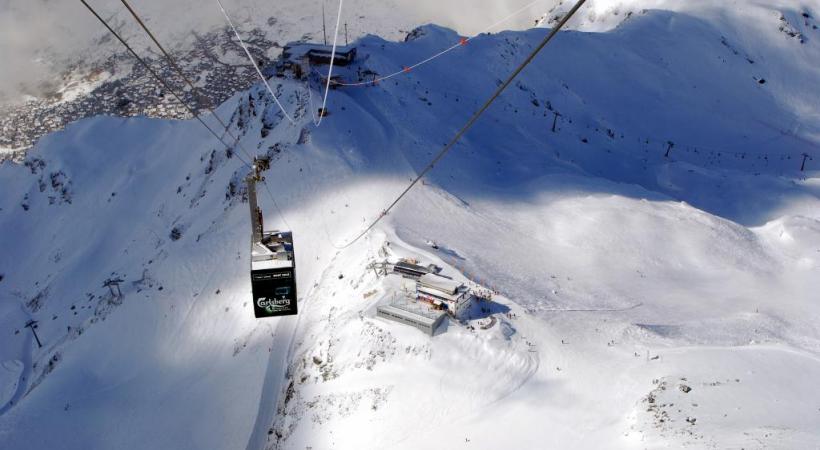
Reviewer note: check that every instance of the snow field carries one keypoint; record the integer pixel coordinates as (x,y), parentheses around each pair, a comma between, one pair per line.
(625,270)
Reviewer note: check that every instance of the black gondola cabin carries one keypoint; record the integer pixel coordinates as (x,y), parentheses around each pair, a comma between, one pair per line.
(273,275)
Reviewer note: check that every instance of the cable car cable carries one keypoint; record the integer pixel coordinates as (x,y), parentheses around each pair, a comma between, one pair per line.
(276,205)
(160,79)
(190,84)
(255,66)
(330,68)
(179,71)
(470,122)
(461,42)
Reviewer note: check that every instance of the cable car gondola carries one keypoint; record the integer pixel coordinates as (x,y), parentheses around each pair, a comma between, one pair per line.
(273,266)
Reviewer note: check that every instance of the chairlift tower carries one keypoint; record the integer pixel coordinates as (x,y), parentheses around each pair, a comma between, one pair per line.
(803,163)
(273,266)
(32,325)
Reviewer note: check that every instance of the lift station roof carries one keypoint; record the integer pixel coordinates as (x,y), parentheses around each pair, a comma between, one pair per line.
(439,283)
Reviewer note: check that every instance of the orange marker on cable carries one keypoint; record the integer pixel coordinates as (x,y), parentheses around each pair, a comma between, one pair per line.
(463,41)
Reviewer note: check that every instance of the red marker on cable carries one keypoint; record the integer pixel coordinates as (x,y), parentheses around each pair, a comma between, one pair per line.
(463,41)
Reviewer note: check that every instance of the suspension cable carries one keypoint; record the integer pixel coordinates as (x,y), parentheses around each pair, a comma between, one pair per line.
(190,84)
(461,42)
(255,66)
(160,79)
(330,69)
(182,75)
(276,205)
(469,123)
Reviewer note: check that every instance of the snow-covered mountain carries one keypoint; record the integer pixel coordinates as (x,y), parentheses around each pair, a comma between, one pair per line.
(62,65)
(656,256)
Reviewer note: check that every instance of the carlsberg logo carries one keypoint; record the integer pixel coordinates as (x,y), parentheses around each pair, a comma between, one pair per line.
(271,304)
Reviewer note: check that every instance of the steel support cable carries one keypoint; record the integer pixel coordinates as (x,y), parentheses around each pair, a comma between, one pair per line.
(255,66)
(469,123)
(276,205)
(318,121)
(462,42)
(179,71)
(330,69)
(160,79)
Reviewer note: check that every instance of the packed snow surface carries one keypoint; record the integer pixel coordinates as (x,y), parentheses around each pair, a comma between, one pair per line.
(655,258)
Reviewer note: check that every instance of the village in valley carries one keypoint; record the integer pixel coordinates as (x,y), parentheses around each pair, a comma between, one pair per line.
(117,86)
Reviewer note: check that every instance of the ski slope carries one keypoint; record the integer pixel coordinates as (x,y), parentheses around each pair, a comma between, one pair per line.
(649,297)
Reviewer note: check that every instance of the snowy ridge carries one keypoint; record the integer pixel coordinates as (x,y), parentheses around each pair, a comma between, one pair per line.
(649,296)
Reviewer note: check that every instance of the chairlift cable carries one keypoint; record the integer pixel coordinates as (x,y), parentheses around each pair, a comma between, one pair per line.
(160,79)
(255,66)
(469,123)
(179,71)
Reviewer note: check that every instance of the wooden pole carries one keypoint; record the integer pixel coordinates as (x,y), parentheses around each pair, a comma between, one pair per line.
(803,164)
(346,34)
